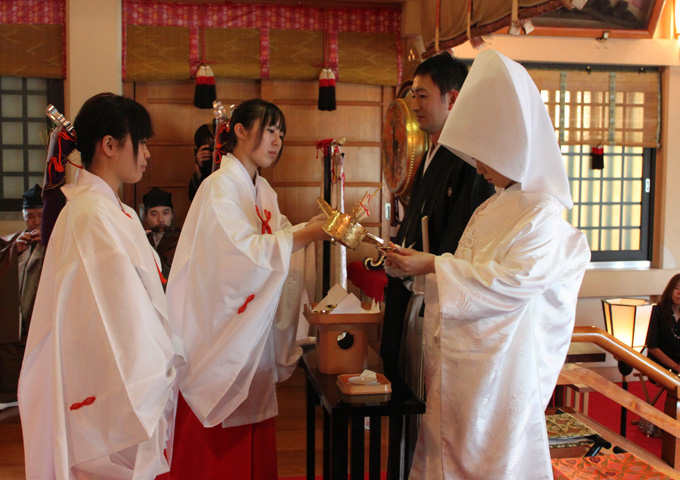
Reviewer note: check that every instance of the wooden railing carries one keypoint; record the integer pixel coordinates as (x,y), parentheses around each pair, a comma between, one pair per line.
(667,421)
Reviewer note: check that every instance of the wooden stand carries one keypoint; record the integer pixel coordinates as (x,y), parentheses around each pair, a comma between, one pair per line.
(342,339)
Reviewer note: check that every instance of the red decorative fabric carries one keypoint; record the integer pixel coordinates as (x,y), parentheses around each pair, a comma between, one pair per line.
(264,219)
(622,466)
(50,12)
(238,453)
(40,12)
(371,282)
(264,53)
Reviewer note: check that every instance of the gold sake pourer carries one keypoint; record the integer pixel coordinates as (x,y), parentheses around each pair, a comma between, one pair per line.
(344,228)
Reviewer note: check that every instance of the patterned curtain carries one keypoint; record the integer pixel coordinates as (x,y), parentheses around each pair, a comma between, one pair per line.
(32,41)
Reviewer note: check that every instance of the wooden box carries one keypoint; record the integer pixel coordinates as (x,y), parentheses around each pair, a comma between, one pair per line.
(342,339)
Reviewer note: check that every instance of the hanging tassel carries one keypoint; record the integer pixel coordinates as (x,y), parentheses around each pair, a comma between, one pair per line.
(327,90)
(331,90)
(205,92)
(323,89)
(597,158)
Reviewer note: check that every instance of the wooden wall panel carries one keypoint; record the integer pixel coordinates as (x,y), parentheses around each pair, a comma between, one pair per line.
(346,93)
(300,163)
(357,123)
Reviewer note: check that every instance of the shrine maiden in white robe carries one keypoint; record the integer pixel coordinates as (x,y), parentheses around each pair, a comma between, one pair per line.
(226,280)
(96,388)
(500,311)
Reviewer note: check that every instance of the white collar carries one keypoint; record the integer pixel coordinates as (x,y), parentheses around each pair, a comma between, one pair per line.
(235,165)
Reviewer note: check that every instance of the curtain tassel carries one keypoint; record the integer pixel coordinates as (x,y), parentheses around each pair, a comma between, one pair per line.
(205,93)
(327,90)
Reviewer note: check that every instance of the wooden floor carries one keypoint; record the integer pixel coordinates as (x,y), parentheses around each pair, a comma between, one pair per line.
(290,435)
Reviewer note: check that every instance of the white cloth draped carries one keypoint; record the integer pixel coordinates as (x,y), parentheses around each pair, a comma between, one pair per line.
(500,119)
(225,264)
(99,331)
(498,322)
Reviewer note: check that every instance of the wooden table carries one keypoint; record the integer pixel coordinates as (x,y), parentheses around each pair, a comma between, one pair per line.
(341,410)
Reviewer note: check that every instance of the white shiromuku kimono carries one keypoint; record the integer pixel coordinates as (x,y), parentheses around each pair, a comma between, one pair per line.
(500,312)
(227,277)
(498,321)
(96,393)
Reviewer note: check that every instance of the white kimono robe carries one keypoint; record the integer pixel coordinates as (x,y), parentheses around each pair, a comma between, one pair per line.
(96,389)
(498,322)
(224,289)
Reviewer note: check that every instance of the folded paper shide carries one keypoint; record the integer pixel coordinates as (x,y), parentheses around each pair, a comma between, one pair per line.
(338,300)
(342,321)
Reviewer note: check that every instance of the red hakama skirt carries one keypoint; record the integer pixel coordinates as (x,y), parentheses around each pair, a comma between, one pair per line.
(239,453)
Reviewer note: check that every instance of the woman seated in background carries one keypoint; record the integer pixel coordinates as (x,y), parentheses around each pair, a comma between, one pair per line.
(663,336)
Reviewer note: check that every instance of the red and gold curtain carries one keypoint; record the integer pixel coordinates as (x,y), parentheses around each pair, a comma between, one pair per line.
(32,41)
(169,40)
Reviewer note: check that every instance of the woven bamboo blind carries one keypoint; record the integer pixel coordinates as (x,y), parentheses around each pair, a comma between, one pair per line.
(157,53)
(602,107)
(162,53)
(367,58)
(234,51)
(295,54)
(32,50)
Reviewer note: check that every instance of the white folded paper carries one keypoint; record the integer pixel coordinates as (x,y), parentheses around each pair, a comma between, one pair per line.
(339,301)
(367,377)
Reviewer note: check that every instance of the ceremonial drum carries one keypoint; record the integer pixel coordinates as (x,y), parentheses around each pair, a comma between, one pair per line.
(403,146)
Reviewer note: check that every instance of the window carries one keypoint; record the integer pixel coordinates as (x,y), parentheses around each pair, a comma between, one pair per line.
(24,134)
(612,206)
(617,109)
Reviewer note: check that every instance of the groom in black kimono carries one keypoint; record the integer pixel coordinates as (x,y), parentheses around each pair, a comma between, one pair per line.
(445,189)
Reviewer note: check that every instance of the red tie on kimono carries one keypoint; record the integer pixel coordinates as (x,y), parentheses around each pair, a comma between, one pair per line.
(265,221)
(243,307)
(160,274)
(87,401)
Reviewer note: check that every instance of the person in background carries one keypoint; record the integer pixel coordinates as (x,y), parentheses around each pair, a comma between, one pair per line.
(21,260)
(96,392)
(234,299)
(159,216)
(663,336)
(499,313)
(204,144)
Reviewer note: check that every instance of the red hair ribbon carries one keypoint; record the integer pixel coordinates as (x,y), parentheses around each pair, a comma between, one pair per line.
(55,161)
(87,401)
(265,221)
(243,307)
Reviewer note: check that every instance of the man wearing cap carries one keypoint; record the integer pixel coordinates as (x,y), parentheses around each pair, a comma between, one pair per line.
(21,259)
(162,234)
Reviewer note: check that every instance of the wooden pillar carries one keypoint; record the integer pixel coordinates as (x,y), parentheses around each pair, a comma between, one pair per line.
(93,54)
(670,446)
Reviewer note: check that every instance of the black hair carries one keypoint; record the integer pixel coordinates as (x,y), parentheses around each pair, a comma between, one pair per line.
(110,114)
(256,109)
(666,301)
(447,73)
(205,134)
